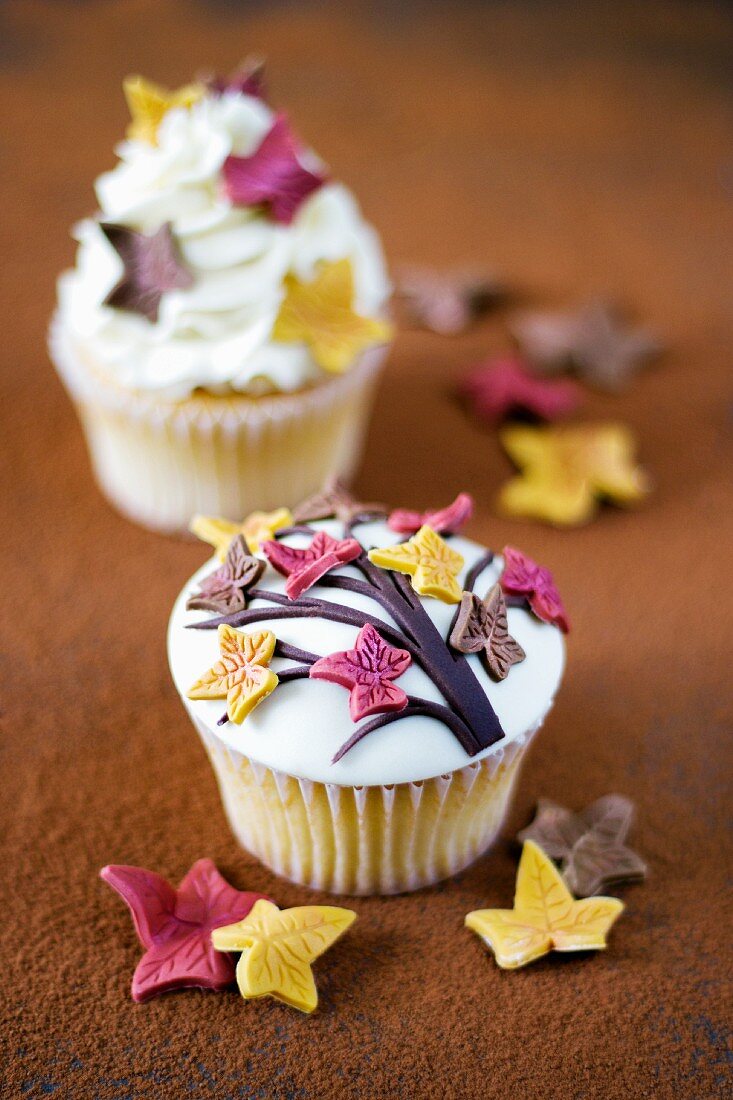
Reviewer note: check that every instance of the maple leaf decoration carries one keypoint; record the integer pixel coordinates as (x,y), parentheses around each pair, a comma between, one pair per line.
(321,314)
(446,302)
(566,471)
(273,175)
(428,560)
(175,926)
(444,521)
(502,387)
(524,577)
(248,79)
(481,627)
(241,676)
(257,528)
(335,501)
(368,671)
(304,568)
(545,916)
(149,103)
(590,845)
(278,947)
(152,266)
(225,590)
(593,341)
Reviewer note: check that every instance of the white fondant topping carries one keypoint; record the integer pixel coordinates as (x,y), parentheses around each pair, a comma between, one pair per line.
(216,333)
(299,728)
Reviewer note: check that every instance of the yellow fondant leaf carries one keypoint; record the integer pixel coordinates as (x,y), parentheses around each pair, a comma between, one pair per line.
(545,916)
(429,560)
(278,947)
(241,676)
(564,471)
(148,104)
(257,528)
(321,315)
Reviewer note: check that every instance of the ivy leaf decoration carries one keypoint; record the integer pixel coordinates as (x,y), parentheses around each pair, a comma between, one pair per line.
(175,926)
(278,947)
(446,302)
(149,103)
(241,676)
(152,265)
(367,671)
(248,79)
(335,501)
(304,568)
(501,387)
(428,560)
(225,590)
(273,175)
(524,577)
(444,521)
(545,916)
(257,528)
(481,627)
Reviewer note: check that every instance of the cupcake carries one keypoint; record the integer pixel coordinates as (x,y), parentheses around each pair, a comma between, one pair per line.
(366,686)
(224,326)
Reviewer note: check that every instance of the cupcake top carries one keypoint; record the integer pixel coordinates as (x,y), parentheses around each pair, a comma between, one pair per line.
(345,645)
(223,257)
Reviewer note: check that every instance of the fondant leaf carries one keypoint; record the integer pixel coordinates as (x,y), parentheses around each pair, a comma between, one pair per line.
(256,528)
(305,567)
(149,103)
(367,671)
(524,577)
(481,627)
(444,521)
(242,675)
(152,266)
(428,560)
(225,590)
(500,387)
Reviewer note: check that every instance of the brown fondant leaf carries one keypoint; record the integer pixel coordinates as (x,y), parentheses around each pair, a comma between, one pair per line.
(481,627)
(152,265)
(334,501)
(594,863)
(554,828)
(225,590)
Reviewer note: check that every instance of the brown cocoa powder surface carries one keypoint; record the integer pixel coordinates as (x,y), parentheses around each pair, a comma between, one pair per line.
(578,155)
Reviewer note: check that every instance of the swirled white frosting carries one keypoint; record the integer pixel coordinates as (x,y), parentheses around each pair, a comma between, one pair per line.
(215,334)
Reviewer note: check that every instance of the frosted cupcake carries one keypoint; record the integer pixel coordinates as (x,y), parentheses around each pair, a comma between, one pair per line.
(365,697)
(224,325)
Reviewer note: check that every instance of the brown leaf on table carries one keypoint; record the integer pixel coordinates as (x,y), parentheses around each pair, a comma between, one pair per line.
(481,627)
(446,301)
(593,340)
(595,863)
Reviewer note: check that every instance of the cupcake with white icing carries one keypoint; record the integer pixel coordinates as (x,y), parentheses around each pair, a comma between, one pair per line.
(224,325)
(365,697)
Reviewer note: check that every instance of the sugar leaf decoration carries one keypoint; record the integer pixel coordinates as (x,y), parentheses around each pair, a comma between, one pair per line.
(590,845)
(225,590)
(248,79)
(273,175)
(501,387)
(428,560)
(241,676)
(545,916)
(305,567)
(565,472)
(321,315)
(593,340)
(481,627)
(335,501)
(446,302)
(257,528)
(278,947)
(444,521)
(175,926)
(152,265)
(368,671)
(149,103)
(522,576)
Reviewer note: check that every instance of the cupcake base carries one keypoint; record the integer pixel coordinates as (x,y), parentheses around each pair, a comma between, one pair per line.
(365,840)
(160,462)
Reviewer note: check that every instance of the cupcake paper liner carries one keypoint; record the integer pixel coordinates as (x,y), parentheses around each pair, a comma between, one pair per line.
(365,840)
(161,462)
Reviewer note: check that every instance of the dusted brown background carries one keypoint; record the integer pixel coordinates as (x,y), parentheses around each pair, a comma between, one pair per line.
(579,151)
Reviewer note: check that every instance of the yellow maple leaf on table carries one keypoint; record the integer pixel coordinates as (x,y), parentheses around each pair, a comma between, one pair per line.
(149,103)
(278,947)
(566,471)
(545,917)
(321,315)
(257,528)
(428,560)
(241,676)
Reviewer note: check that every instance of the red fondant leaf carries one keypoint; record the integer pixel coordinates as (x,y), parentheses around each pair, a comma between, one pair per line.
(304,568)
(249,79)
(272,175)
(367,671)
(175,926)
(500,387)
(444,521)
(524,577)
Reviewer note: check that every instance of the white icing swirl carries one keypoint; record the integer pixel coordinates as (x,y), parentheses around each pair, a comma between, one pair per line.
(215,334)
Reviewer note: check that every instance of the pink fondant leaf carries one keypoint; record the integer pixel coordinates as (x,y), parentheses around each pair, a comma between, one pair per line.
(273,175)
(305,567)
(367,671)
(524,577)
(444,521)
(500,387)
